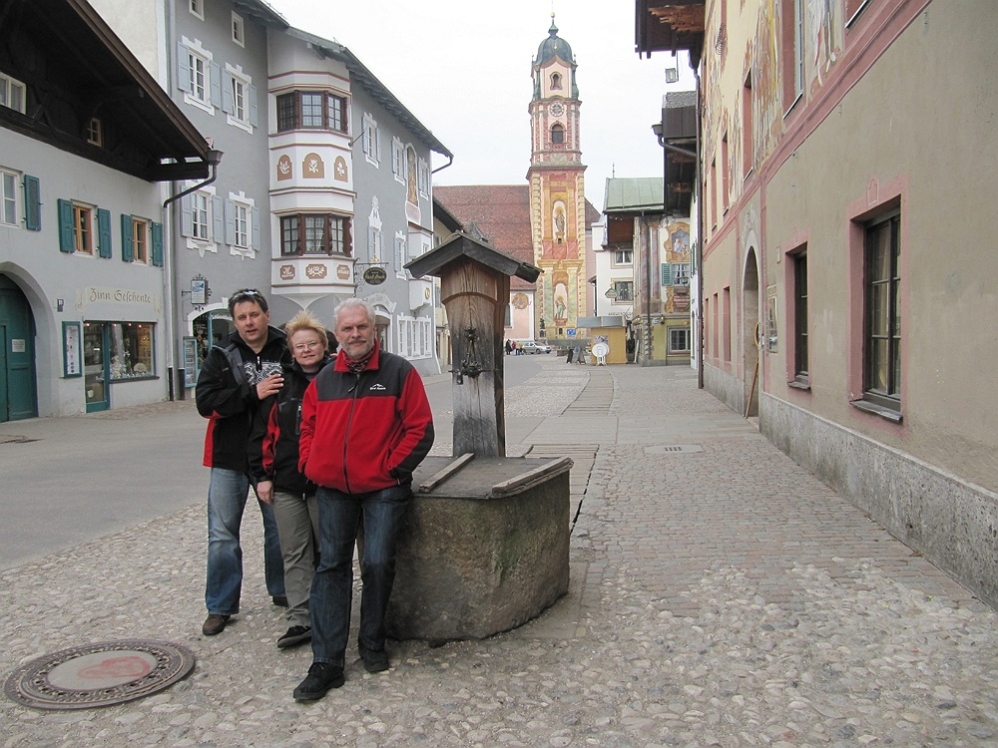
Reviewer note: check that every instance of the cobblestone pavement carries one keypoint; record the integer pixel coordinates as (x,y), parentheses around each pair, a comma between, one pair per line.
(720,596)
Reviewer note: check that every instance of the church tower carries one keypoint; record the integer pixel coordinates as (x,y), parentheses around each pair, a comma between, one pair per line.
(557,190)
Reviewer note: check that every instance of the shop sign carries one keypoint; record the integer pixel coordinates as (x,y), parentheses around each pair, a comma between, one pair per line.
(375,276)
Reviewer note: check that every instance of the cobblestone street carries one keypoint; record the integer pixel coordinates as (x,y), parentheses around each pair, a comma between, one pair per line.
(719,596)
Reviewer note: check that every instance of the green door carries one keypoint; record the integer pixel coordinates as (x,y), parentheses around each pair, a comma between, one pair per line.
(18,387)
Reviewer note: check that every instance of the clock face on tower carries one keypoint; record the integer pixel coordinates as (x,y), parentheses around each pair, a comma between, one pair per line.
(557,109)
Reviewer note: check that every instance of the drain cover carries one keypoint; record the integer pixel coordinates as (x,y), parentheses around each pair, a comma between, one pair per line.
(665,449)
(100,674)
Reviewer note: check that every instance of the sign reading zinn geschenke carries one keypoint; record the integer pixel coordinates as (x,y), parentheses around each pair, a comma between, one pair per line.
(375,276)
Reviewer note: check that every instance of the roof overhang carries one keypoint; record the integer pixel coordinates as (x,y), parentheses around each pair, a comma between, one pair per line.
(670,26)
(95,62)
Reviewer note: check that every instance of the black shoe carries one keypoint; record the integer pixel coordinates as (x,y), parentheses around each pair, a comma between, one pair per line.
(280,601)
(321,677)
(375,660)
(214,624)
(294,636)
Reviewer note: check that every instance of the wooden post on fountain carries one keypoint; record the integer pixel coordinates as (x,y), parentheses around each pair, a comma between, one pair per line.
(474,288)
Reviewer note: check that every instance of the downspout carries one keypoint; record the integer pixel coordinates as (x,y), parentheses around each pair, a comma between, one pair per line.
(441,168)
(700,239)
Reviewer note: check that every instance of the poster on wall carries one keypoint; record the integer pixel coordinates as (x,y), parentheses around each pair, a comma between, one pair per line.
(772,338)
(72,354)
(190,362)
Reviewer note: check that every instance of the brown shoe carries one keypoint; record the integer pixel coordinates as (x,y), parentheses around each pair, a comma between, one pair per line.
(214,624)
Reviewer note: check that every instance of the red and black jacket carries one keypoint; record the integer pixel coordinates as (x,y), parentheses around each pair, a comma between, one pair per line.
(368,431)
(226,395)
(273,443)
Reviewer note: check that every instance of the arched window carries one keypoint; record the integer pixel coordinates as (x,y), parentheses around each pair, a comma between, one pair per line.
(556,80)
(557,134)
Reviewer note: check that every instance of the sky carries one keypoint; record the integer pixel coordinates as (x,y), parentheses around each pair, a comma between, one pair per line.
(462,67)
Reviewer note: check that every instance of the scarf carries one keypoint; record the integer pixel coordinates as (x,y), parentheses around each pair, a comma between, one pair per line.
(356,367)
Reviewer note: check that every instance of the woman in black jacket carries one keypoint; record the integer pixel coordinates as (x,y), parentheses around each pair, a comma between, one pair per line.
(273,457)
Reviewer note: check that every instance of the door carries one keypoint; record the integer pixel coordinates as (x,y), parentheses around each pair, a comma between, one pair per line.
(18,386)
(96,366)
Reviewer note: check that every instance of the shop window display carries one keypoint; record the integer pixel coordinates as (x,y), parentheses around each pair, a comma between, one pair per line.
(131,350)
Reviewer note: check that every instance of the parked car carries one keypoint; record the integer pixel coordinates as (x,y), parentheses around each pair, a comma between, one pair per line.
(529,346)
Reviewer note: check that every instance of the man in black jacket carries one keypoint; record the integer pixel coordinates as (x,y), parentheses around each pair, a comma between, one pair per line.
(235,376)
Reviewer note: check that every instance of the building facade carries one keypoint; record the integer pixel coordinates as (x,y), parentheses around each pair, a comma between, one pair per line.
(84,310)
(836,305)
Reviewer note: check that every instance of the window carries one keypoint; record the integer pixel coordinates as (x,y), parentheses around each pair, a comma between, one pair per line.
(197,8)
(415,337)
(726,327)
(131,346)
(241,218)
(675,273)
(398,160)
(242,225)
(77,230)
(679,340)
(424,178)
(311,110)
(555,80)
(239,98)
(95,132)
(199,215)
(623,257)
(8,198)
(725,171)
(370,143)
(557,134)
(198,76)
(12,93)
(140,239)
(625,290)
(238,30)
(793,40)
(83,229)
(315,234)
(748,140)
(800,318)
(882,284)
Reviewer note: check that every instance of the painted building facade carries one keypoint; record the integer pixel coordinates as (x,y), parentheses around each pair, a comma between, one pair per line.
(84,316)
(324,179)
(837,306)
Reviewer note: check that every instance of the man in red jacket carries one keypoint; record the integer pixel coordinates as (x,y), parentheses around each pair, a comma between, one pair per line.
(366,424)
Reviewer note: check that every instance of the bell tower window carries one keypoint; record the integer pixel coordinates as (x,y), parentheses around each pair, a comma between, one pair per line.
(557,134)
(556,81)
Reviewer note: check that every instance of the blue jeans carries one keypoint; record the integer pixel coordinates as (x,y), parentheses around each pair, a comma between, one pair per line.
(340,516)
(227,493)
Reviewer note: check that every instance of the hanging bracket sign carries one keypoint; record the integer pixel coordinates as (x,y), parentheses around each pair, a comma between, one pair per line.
(375,276)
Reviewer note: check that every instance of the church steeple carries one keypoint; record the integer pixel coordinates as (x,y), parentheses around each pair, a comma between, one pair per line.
(557,189)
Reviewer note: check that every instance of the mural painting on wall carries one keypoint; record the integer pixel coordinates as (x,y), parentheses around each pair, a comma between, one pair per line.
(823,29)
(284,168)
(411,194)
(340,169)
(312,167)
(675,260)
(559,283)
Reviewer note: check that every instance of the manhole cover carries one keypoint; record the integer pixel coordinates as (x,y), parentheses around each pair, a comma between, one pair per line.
(99,674)
(666,449)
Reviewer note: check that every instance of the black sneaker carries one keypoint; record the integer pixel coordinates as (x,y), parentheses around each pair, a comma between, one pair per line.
(321,677)
(280,601)
(375,660)
(294,636)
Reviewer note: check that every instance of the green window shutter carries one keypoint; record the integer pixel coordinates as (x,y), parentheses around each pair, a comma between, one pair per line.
(127,250)
(66,241)
(157,245)
(104,233)
(32,204)
(666,274)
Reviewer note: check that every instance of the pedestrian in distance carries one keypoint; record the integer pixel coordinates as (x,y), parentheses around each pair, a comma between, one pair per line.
(236,376)
(571,352)
(366,426)
(273,460)
(578,355)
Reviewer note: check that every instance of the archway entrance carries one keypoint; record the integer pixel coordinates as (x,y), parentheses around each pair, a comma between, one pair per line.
(750,334)
(18,386)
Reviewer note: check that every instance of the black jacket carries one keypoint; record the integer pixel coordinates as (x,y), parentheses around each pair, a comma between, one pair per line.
(226,395)
(273,444)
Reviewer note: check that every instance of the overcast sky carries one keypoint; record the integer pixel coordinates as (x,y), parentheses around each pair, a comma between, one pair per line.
(462,67)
